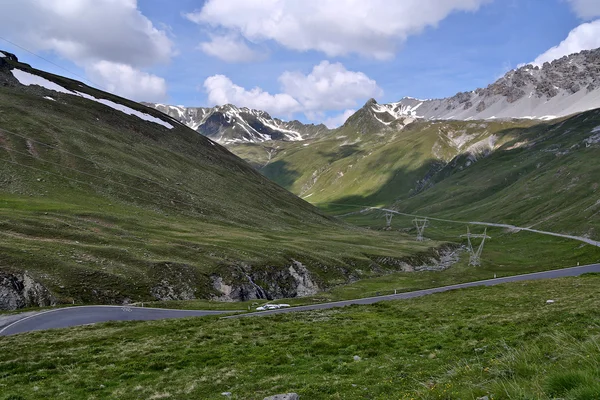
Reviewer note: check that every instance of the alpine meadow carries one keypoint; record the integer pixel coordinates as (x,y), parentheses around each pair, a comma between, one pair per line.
(242,200)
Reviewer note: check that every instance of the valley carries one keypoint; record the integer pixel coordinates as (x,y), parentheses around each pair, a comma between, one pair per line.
(444,248)
(101,206)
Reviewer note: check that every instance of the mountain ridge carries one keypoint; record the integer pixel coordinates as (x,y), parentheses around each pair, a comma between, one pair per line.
(565,86)
(229,124)
(556,89)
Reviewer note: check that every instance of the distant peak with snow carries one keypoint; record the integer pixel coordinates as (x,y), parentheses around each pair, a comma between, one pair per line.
(229,124)
(562,87)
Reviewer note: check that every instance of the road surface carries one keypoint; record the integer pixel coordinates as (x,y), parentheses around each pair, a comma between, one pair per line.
(559,273)
(83,315)
(74,316)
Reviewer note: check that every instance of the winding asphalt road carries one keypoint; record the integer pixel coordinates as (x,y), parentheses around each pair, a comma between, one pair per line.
(84,315)
(558,273)
(74,316)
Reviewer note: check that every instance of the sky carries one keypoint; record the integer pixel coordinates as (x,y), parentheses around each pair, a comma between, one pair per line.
(312,60)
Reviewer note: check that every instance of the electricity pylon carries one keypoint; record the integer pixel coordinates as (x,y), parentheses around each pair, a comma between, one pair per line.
(475,259)
(388,219)
(420,224)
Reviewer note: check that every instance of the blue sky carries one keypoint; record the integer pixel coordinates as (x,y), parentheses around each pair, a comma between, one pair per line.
(311,60)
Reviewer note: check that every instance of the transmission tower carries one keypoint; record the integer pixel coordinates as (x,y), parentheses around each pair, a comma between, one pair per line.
(388,219)
(420,224)
(475,259)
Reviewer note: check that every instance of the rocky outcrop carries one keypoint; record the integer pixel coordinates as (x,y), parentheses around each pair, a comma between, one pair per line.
(248,283)
(19,290)
(166,290)
(435,259)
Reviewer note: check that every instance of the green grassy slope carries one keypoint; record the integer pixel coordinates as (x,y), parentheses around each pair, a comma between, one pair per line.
(547,178)
(101,206)
(504,342)
(522,172)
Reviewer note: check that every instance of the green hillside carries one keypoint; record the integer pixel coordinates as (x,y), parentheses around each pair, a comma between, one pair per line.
(101,206)
(540,174)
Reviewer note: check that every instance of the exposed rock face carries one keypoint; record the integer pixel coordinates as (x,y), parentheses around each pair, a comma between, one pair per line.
(437,259)
(565,86)
(173,291)
(248,283)
(176,281)
(19,290)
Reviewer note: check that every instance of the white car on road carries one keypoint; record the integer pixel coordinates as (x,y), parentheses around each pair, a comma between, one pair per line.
(271,307)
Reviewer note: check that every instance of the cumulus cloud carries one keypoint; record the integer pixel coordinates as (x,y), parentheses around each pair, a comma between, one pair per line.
(126,81)
(372,28)
(339,119)
(230,49)
(586,9)
(221,90)
(327,87)
(86,30)
(584,37)
(94,34)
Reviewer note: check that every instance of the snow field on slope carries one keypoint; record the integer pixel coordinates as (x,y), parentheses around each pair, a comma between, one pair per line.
(28,79)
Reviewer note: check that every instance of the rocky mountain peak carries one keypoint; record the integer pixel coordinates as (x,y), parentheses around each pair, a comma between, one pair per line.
(228,124)
(564,86)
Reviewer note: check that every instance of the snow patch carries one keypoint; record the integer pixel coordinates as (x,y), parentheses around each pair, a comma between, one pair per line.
(27,79)
(49,98)
(385,123)
(596,129)
(126,110)
(397,110)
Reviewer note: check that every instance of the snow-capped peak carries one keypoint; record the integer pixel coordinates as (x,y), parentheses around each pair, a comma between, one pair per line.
(229,124)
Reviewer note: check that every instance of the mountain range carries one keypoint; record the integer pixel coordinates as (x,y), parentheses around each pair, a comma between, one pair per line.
(562,87)
(228,124)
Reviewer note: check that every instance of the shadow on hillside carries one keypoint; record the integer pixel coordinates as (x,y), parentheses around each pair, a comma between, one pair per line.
(464,185)
(342,152)
(280,173)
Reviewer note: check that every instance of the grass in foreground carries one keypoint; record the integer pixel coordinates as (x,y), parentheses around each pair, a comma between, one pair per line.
(505,342)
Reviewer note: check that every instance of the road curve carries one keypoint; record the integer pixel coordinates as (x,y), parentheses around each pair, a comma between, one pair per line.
(84,315)
(559,273)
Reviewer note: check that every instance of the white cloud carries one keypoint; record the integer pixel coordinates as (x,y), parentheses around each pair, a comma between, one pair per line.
(93,34)
(230,49)
(586,9)
(339,119)
(328,87)
(584,37)
(86,30)
(372,28)
(221,90)
(126,81)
